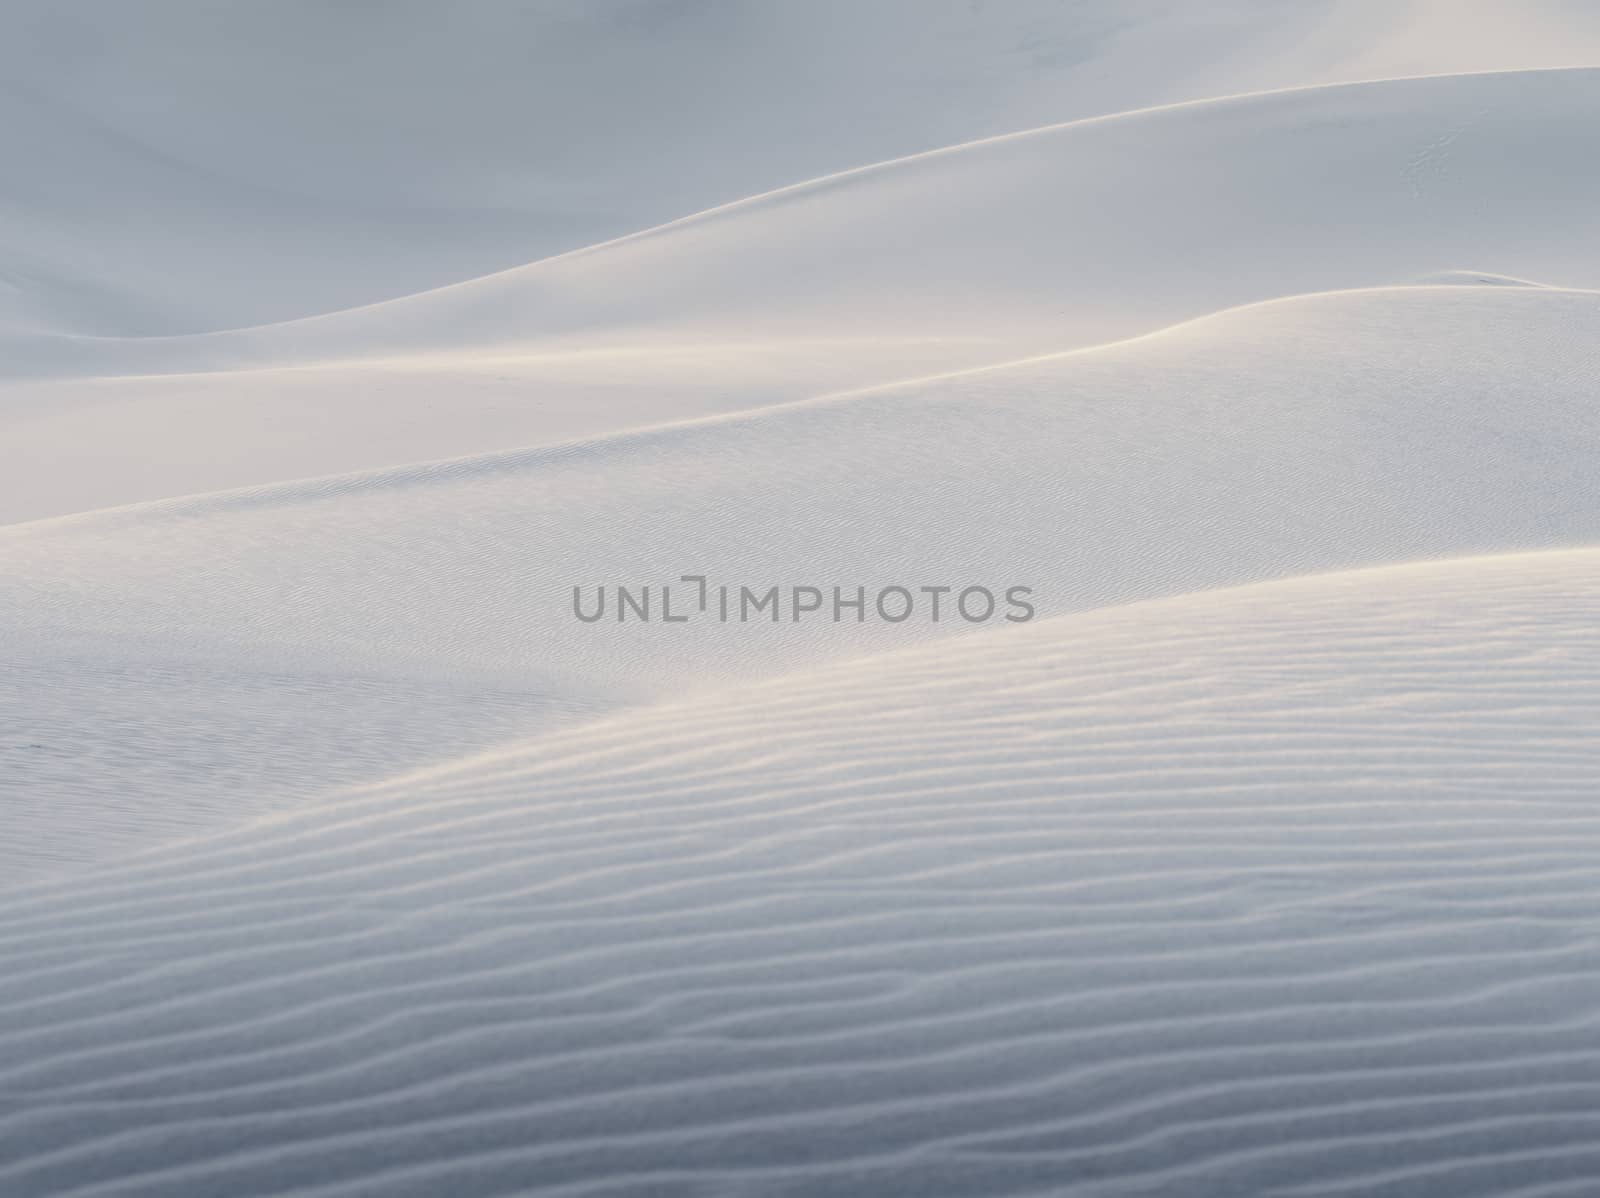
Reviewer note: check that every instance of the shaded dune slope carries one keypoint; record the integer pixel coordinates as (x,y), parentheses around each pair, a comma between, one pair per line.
(1066,235)
(170,171)
(1283,889)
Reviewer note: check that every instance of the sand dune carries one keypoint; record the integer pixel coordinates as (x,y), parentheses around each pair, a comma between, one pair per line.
(172,169)
(1037,243)
(1254,344)
(1299,436)
(1076,234)
(1276,890)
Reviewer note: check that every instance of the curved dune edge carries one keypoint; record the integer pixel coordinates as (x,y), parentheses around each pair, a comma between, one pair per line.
(822,182)
(444,470)
(636,281)
(198,179)
(1280,889)
(1232,602)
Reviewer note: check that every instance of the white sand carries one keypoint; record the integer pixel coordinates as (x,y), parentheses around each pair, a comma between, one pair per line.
(338,857)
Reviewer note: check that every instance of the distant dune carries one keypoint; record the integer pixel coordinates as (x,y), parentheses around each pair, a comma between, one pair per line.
(173,168)
(1049,240)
